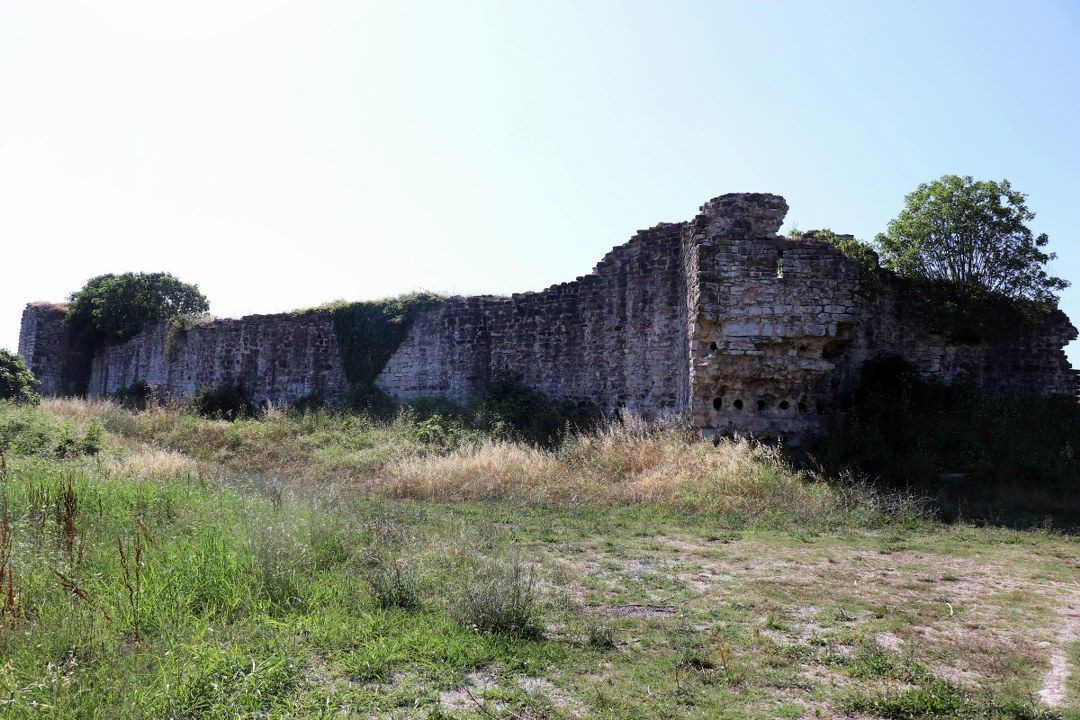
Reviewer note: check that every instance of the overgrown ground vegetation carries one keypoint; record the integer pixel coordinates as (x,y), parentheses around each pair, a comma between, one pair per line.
(442,457)
(1000,459)
(160,564)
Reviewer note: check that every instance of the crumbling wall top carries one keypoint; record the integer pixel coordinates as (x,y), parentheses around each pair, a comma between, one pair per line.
(742,214)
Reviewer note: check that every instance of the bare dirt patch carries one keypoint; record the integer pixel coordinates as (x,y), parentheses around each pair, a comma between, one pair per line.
(1053,689)
(468,696)
(554,694)
(637,611)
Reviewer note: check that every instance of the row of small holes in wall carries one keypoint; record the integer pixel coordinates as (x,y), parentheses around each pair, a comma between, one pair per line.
(718,404)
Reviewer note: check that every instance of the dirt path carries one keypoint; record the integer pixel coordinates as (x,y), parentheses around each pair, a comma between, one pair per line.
(1054,687)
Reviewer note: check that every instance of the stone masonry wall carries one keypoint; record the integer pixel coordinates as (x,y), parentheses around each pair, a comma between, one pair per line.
(44,347)
(279,358)
(779,328)
(770,322)
(1017,356)
(720,320)
(616,337)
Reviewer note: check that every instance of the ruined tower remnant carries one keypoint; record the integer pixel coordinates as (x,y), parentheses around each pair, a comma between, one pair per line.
(719,320)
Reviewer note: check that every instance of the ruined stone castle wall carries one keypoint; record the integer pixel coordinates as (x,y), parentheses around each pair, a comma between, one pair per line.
(780,328)
(720,320)
(45,348)
(1013,357)
(770,322)
(616,337)
(279,358)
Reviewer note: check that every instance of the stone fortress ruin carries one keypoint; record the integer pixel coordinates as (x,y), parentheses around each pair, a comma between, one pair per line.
(719,320)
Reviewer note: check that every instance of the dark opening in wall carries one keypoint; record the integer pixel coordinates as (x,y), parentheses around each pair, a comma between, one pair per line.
(717,403)
(803,408)
(832,350)
(712,346)
(761,404)
(737,404)
(784,405)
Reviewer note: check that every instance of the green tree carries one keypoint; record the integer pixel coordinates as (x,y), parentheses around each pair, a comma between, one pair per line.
(114,308)
(16,381)
(972,234)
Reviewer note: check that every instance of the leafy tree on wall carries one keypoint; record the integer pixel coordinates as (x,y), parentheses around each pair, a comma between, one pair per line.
(114,308)
(972,236)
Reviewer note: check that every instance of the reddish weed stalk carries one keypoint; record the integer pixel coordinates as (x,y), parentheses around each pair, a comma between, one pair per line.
(10,605)
(131,567)
(67,507)
(79,592)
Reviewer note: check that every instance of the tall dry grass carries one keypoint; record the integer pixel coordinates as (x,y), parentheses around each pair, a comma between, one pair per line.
(639,463)
(632,462)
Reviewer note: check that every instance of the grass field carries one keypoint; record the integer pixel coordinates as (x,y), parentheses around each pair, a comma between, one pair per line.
(156,564)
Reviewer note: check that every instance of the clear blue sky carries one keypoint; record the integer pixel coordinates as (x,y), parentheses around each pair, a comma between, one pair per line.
(283,154)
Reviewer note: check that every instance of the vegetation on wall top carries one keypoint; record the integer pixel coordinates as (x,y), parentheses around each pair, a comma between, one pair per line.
(114,308)
(859,251)
(370,331)
(965,256)
(850,246)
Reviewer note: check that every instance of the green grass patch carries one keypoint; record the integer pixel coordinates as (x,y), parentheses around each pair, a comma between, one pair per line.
(682,580)
(938,699)
(147,596)
(27,431)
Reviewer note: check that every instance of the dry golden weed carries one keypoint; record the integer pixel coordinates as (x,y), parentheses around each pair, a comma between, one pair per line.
(626,463)
(149,461)
(81,409)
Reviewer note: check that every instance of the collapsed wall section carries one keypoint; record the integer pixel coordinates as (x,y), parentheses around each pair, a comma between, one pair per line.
(615,337)
(280,358)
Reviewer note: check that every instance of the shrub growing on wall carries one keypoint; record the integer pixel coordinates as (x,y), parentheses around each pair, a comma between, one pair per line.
(16,381)
(370,331)
(135,396)
(114,308)
(859,251)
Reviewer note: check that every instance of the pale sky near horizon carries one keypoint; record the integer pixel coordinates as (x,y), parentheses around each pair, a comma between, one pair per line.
(283,154)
